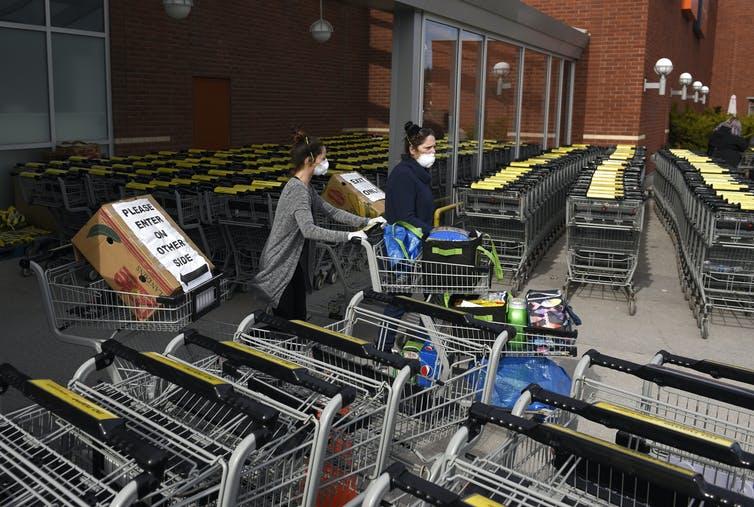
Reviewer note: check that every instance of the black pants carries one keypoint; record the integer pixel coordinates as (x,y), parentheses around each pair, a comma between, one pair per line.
(292,303)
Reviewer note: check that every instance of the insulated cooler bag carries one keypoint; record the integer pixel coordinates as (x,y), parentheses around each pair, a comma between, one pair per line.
(458,259)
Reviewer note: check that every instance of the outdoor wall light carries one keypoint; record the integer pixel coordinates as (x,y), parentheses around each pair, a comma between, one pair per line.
(321,29)
(177,9)
(684,80)
(704,91)
(663,68)
(500,70)
(697,87)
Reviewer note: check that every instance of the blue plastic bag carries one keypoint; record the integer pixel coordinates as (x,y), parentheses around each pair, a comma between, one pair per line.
(515,373)
(402,241)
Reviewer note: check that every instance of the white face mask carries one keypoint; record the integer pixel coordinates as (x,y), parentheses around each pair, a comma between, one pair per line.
(426,160)
(321,168)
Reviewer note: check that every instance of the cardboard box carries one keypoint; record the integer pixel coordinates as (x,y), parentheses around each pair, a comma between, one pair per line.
(356,194)
(137,248)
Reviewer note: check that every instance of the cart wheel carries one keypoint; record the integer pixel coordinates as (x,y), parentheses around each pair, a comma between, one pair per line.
(632,306)
(319,281)
(704,328)
(332,277)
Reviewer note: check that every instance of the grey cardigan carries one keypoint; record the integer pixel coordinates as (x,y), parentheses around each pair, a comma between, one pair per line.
(293,224)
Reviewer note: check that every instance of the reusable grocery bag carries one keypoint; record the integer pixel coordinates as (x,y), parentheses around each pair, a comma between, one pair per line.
(402,242)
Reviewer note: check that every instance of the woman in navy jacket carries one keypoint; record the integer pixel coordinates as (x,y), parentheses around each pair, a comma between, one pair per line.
(408,196)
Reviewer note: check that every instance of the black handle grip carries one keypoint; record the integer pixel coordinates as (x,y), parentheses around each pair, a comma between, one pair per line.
(193,380)
(649,426)
(349,344)
(420,488)
(87,416)
(734,395)
(711,368)
(267,363)
(546,331)
(371,232)
(456,317)
(189,277)
(660,473)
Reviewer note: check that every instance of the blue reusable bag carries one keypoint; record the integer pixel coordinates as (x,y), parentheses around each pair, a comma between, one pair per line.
(515,373)
(402,241)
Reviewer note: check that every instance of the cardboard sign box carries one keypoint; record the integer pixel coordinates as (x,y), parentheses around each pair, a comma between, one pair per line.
(138,249)
(356,194)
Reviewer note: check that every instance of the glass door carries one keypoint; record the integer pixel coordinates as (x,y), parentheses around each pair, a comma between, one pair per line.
(438,99)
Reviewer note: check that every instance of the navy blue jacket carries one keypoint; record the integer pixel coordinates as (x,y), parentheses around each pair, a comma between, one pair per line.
(408,196)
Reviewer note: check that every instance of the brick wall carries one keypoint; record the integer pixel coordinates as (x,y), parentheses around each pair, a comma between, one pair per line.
(380,61)
(671,35)
(732,70)
(607,95)
(627,38)
(279,75)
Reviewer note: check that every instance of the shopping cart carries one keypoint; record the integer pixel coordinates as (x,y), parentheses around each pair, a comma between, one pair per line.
(419,276)
(360,440)
(449,380)
(271,453)
(522,208)
(605,219)
(64,195)
(66,450)
(76,300)
(474,335)
(542,464)
(349,257)
(610,473)
(352,415)
(708,212)
(721,460)
(702,403)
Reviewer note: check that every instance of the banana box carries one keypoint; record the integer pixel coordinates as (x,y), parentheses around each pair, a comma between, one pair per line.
(140,251)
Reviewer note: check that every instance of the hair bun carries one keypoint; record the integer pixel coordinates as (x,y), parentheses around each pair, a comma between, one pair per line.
(299,136)
(411,128)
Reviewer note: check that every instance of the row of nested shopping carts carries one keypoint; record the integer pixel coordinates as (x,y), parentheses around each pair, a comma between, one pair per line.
(272,412)
(522,206)
(683,438)
(605,219)
(225,200)
(709,213)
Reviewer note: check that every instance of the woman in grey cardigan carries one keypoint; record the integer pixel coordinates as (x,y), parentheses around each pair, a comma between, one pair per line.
(282,276)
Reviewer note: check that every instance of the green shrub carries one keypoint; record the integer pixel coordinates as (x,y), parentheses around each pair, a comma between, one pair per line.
(690,129)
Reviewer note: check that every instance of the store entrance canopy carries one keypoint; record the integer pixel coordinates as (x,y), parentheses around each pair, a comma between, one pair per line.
(507,19)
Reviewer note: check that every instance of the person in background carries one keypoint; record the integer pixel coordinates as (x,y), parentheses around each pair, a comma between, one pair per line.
(408,198)
(726,142)
(282,278)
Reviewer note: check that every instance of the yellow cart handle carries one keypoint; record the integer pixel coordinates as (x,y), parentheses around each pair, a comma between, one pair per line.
(443,209)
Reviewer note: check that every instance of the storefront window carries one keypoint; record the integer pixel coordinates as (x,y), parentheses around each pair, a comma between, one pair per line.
(440,47)
(24,111)
(533,103)
(500,102)
(468,117)
(80,89)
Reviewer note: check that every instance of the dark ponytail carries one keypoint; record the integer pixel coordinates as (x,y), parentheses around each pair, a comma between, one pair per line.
(303,148)
(415,135)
